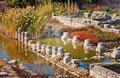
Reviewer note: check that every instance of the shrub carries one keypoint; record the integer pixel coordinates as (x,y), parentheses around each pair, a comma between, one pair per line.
(95,35)
(105,8)
(82,35)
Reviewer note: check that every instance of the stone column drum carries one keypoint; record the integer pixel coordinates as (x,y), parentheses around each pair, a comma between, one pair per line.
(43,48)
(29,42)
(48,50)
(100,47)
(22,36)
(116,53)
(33,46)
(38,46)
(86,43)
(67,58)
(26,37)
(19,33)
(60,52)
(54,51)
(74,40)
(75,63)
(49,29)
(65,36)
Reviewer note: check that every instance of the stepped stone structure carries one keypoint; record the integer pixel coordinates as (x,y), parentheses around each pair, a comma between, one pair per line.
(116,53)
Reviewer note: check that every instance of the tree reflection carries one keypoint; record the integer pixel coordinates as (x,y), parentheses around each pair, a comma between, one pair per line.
(17,50)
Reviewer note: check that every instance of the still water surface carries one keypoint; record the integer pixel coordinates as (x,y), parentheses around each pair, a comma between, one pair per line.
(11,49)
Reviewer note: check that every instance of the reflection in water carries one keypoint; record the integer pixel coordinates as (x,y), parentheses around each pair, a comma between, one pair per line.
(11,49)
(40,68)
(74,45)
(64,41)
(86,50)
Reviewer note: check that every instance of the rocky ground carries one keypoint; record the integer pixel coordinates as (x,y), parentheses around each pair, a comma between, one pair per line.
(10,69)
(6,70)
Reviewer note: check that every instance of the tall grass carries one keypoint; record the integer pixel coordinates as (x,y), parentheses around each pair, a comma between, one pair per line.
(32,19)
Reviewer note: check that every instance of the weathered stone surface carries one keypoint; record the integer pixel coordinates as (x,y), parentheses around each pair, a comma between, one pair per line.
(100,47)
(116,53)
(99,70)
(48,50)
(2,62)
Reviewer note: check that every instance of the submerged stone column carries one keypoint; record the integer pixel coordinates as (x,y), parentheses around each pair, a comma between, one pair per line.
(19,33)
(38,46)
(54,51)
(75,63)
(43,48)
(67,58)
(60,52)
(29,42)
(74,40)
(22,36)
(48,50)
(65,36)
(116,53)
(86,43)
(33,47)
(101,47)
(49,30)
(26,37)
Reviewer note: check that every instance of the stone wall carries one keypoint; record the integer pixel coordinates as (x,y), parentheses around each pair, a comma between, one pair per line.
(98,71)
(76,22)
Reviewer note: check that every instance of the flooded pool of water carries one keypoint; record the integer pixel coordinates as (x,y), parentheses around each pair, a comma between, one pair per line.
(12,49)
